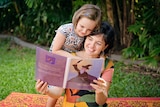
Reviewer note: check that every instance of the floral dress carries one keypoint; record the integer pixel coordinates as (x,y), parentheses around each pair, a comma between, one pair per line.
(73,42)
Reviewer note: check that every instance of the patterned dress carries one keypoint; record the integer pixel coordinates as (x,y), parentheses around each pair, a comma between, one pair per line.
(86,98)
(73,42)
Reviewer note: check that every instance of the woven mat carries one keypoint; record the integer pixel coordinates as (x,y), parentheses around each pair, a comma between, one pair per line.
(16,99)
(134,102)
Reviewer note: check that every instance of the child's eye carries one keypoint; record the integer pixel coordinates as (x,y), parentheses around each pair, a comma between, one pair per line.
(89,30)
(82,26)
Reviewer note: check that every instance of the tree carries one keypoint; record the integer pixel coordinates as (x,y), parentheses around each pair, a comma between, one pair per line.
(146,33)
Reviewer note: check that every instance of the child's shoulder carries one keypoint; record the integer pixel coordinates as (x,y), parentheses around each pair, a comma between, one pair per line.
(66,27)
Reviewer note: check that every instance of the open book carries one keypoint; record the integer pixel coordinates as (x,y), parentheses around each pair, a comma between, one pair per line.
(67,72)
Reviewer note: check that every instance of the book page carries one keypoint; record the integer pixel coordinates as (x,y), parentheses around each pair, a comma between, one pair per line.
(50,67)
(82,72)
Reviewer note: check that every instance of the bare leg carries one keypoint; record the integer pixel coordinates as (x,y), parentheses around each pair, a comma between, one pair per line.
(51,102)
(53,94)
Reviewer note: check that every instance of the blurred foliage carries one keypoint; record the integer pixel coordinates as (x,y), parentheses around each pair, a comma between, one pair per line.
(8,19)
(39,23)
(146,30)
(36,21)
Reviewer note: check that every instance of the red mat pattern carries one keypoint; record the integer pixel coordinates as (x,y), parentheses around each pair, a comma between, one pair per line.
(134,102)
(36,100)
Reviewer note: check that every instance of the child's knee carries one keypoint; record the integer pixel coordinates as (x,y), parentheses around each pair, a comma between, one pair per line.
(55,91)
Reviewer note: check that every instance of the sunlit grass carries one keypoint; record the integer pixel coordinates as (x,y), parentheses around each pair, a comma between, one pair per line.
(17,67)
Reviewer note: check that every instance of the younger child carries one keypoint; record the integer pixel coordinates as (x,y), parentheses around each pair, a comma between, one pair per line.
(69,37)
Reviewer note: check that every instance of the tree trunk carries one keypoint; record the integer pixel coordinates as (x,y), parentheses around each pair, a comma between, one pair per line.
(132,20)
(123,38)
(110,12)
(132,12)
(119,18)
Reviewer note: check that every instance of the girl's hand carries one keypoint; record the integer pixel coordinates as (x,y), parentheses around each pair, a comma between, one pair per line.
(41,87)
(100,86)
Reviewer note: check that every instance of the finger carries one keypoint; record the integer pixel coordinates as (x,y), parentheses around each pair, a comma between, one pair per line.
(38,81)
(101,84)
(101,80)
(95,81)
(98,82)
(39,84)
(43,88)
(96,87)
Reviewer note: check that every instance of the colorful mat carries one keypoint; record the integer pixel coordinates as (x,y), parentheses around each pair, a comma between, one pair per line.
(36,100)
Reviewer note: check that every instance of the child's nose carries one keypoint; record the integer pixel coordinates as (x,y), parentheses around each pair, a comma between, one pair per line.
(84,31)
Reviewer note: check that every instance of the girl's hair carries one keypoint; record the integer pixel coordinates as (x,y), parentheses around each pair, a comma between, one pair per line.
(108,35)
(89,11)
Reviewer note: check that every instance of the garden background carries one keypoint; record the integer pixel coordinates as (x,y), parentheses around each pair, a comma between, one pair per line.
(137,37)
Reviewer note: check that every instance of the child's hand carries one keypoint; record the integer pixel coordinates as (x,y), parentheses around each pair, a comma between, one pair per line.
(100,86)
(41,87)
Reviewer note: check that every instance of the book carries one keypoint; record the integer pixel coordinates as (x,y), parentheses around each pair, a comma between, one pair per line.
(67,72)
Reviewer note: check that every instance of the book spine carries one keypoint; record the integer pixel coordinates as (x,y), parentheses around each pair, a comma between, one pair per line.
(66,72)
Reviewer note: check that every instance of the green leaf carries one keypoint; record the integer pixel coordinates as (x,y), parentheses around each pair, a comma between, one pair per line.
(155,52)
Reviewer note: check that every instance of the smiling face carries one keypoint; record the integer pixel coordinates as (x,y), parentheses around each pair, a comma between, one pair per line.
(85,26)
(94,45)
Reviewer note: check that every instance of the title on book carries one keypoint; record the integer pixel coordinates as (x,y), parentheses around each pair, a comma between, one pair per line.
(50,59)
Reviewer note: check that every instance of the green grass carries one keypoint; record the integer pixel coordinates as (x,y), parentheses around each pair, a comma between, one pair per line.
(17,67)
(133,83)
(17,70)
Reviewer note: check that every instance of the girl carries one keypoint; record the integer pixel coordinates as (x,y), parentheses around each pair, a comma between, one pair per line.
(69,37)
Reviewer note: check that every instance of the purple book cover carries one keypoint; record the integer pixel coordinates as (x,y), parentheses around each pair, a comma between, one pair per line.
(82,72)
(50,67)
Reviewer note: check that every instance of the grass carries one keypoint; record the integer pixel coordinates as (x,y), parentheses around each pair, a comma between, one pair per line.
(17,70)
(17,67)
(133,83)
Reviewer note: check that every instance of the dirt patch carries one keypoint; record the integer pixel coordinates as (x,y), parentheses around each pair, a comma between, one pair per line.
(142,70)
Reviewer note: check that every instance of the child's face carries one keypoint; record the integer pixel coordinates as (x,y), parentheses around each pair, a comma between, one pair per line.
(94,45)
(85,26)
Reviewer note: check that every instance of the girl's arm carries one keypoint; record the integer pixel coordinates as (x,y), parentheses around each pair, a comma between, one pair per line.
(58,41)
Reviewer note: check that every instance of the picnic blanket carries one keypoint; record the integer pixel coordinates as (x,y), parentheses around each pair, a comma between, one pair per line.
(16,99)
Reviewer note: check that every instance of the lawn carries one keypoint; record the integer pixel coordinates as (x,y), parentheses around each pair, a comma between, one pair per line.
(17,67)
(17,71)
